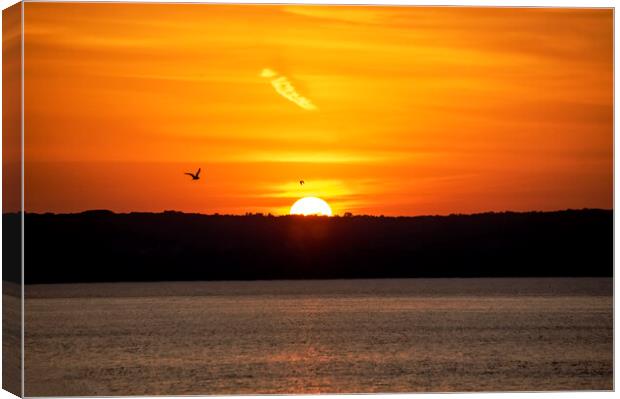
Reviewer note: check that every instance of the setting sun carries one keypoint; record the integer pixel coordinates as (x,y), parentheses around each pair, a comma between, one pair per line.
(311,206)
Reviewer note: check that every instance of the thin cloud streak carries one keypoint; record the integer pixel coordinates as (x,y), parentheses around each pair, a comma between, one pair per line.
(285,88)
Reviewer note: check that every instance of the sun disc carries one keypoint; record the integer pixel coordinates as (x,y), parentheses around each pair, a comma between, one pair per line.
(311,206)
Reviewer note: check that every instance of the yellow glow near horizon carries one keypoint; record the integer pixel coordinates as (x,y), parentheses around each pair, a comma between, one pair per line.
(311,206)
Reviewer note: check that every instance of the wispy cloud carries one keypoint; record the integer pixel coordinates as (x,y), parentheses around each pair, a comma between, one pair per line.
(285,88)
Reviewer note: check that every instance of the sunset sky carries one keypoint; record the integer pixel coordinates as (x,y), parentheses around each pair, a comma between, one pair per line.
(380,110)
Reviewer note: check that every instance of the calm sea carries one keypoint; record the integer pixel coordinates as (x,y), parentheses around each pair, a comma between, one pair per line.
(412,335)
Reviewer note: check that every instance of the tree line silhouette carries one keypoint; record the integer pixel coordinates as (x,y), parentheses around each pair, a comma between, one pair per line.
(104,246)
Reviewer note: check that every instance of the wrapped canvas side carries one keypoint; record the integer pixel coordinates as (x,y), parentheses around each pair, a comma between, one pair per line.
(12,205)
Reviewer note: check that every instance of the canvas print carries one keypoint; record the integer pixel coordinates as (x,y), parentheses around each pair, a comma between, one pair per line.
(293,199)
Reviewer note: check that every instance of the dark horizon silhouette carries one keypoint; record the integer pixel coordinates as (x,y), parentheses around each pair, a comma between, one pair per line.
(100,246)
(105,211)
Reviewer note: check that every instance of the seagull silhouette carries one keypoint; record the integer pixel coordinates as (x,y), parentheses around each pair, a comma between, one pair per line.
(194,176)
(301,182)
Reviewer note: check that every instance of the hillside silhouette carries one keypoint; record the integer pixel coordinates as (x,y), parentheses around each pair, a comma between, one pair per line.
(96,246)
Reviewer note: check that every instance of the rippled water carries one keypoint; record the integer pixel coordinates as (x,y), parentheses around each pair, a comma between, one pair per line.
(319,336)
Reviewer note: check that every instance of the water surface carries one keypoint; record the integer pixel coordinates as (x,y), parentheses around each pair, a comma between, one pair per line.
(335,336)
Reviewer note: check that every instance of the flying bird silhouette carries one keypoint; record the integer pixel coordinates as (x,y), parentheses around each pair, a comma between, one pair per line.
(301,182)
(194,176)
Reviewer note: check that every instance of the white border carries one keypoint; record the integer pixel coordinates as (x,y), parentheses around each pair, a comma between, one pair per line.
(518,3)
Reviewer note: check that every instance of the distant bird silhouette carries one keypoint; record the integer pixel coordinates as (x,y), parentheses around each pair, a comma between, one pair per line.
(301,182)
(194,176)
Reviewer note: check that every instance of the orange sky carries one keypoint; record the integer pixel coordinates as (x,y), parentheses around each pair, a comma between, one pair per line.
(381,110)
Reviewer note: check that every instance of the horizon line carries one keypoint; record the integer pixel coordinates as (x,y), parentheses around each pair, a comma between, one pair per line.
(343,215)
